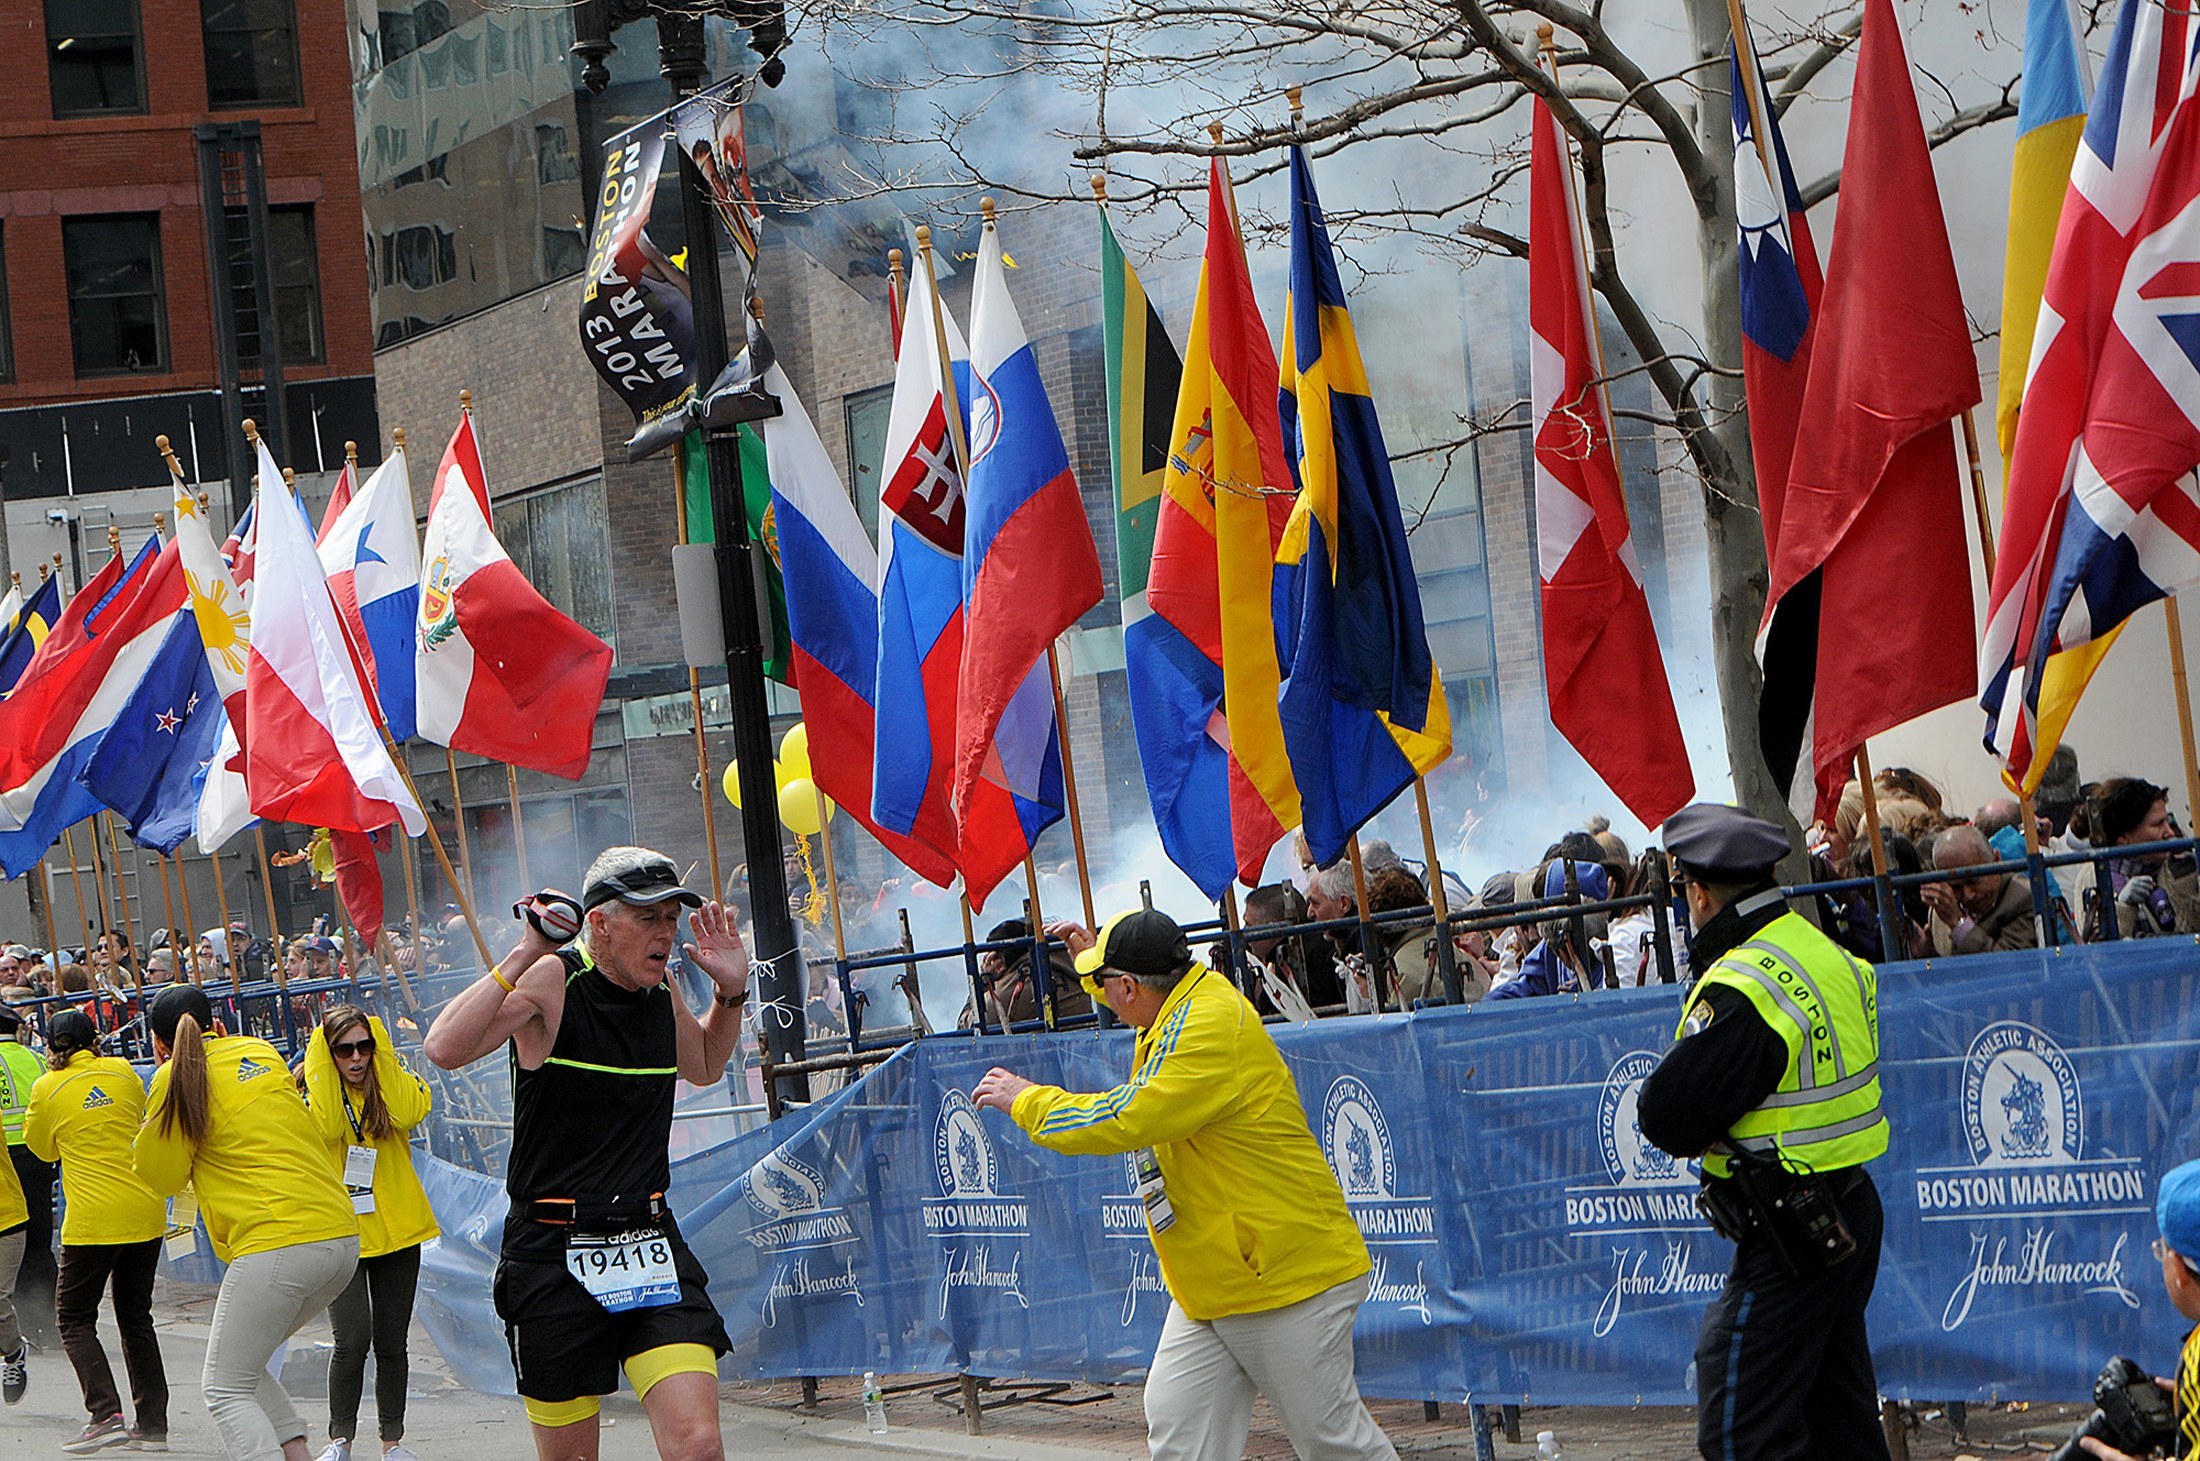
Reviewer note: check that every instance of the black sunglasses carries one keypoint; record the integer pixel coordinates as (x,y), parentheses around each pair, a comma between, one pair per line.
(353,1047)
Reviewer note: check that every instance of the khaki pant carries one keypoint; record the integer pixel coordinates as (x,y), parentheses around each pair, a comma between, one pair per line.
(266,1298)
(11,1256)
(1199,1394)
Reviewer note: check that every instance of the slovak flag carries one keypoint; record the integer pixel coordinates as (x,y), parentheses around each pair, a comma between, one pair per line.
(920,602)
(313,754)
(1029,571)
(373,562)
(498,671)
(832,617)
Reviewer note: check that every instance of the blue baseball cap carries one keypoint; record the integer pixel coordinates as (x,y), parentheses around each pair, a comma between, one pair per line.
(2177,1210)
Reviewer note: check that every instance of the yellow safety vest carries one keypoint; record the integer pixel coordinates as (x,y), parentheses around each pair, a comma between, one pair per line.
(1824,1005)
(20,1068)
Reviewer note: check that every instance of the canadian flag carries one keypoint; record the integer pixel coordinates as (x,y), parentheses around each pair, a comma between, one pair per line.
(313,753)
(498,671)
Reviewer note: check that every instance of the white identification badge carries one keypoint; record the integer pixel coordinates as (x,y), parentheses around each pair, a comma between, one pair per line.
(359,1177)
(182,1237)
(630,1270)
(1159,1215)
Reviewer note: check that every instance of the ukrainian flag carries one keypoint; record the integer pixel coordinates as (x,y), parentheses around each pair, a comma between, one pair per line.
(1362,708)
(2051,110)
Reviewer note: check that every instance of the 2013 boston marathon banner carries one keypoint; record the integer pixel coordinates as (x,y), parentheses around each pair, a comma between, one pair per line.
(1526,1241)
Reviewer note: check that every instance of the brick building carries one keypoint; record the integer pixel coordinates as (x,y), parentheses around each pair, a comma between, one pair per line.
(109,281)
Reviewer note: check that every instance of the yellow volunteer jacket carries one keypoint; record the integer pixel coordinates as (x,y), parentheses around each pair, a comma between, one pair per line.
(401,1216)
(14,1211)
(262,1176)
(85,1116)
(1260,1220)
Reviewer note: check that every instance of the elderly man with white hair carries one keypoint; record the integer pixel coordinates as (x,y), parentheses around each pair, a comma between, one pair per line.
(1982,913)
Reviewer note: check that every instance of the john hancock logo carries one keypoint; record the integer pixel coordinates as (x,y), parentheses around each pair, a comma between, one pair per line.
(972,1205)
(1123,1217)
(790,1195)
(1356,1139)
(1647,1204)
(2029,1177)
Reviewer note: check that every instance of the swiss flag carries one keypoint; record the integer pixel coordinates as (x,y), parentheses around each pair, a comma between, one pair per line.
(499,672)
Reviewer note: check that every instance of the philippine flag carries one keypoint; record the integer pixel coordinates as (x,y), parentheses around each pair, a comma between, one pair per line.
(373,563)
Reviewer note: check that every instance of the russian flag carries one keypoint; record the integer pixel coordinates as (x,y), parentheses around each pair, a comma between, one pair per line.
(373,562)
(832,616)
(920,607)
(53,724)
(1029,571)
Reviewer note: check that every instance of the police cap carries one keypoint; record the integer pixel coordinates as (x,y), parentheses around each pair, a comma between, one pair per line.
(1723,844)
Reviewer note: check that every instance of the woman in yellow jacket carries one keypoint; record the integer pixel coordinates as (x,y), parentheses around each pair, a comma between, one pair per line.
(84,1113)
(15,1226)
(224,1117)
(366,1104)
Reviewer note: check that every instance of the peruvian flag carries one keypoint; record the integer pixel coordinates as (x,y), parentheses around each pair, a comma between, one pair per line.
(312,751)
(1605,676)
(498,671)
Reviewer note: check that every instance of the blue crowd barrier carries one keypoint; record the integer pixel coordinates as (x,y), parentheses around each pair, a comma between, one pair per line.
(1527,1243)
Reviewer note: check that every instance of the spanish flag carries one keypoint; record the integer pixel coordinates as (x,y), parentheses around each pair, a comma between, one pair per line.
(1363,712)
(2051,110)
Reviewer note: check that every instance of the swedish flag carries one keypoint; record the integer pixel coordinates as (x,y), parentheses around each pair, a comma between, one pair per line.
(21,636)
(1363,711)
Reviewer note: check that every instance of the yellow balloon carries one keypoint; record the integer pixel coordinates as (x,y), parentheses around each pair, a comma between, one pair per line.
(731,782)
(794,752)
(798,806)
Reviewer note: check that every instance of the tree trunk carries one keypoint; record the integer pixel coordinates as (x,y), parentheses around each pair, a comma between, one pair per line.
(1731,522)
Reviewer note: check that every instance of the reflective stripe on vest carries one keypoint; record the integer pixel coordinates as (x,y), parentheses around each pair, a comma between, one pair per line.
(1825,1114)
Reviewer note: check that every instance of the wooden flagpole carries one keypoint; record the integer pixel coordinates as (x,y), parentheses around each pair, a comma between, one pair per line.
(45,878)
(442,856)
(183,892)
(168,902)
(1367,928)
(2184,702)
(458,818)
(1069,787)
(76,877)
(267,887)
(519,826)
(412,897)
(897,293)
(122,894)
(695,697)
(221,888)
(832,877)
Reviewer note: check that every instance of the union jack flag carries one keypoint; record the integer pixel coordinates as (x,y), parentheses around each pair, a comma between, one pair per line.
(2103,508)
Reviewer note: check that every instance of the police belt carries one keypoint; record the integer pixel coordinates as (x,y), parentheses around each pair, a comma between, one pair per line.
(1797,1213)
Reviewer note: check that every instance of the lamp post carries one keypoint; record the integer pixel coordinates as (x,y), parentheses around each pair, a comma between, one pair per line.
(782,980)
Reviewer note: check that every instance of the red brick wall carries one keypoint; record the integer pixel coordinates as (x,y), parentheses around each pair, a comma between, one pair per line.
(52,169)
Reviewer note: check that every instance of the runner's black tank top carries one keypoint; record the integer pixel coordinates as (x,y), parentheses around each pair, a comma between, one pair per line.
(595,1119)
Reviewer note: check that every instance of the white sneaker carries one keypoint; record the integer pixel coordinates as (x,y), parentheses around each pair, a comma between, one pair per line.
(337,1451)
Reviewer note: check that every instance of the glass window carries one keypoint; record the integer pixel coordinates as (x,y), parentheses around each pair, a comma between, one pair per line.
(92,57)
(117,317)
(251,53)
(866,414)
(295,276)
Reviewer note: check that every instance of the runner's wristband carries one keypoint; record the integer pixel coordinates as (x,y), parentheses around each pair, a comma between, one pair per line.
(507,984)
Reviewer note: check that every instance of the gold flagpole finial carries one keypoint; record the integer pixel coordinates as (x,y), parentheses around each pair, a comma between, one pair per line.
(465,403)
(251,431)
(351,455)
(985,210)
(160,522)
(1296,96)
(1545,38)
(1100,187)
(397,436)
(1214,130)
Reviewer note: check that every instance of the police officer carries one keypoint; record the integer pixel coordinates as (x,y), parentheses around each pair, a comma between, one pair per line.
(20,1068)
(1773,1081)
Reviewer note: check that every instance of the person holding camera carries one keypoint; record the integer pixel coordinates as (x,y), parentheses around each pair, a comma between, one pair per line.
(2132,1412)
(2155,893)
(593,1276)
(1773,1081)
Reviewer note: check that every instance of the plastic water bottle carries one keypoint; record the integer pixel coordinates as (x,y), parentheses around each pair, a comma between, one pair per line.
(874,1404)
(1546,1446)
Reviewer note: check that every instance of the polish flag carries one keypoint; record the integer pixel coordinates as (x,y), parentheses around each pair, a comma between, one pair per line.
(312,751)
(497,671)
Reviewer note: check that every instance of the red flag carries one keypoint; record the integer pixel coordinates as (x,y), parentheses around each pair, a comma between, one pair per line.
(1874,502)
(1606,678)
(500,672)
(358,882)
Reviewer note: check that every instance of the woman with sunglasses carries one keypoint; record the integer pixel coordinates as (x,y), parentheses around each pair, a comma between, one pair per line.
(366,1104)
(84,1113)
(223,1117)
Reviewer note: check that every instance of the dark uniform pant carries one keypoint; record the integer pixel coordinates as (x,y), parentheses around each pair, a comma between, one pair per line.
(36,1280)
(1783,1368)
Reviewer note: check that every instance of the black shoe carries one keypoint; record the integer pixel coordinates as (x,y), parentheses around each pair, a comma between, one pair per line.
(15,1374)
